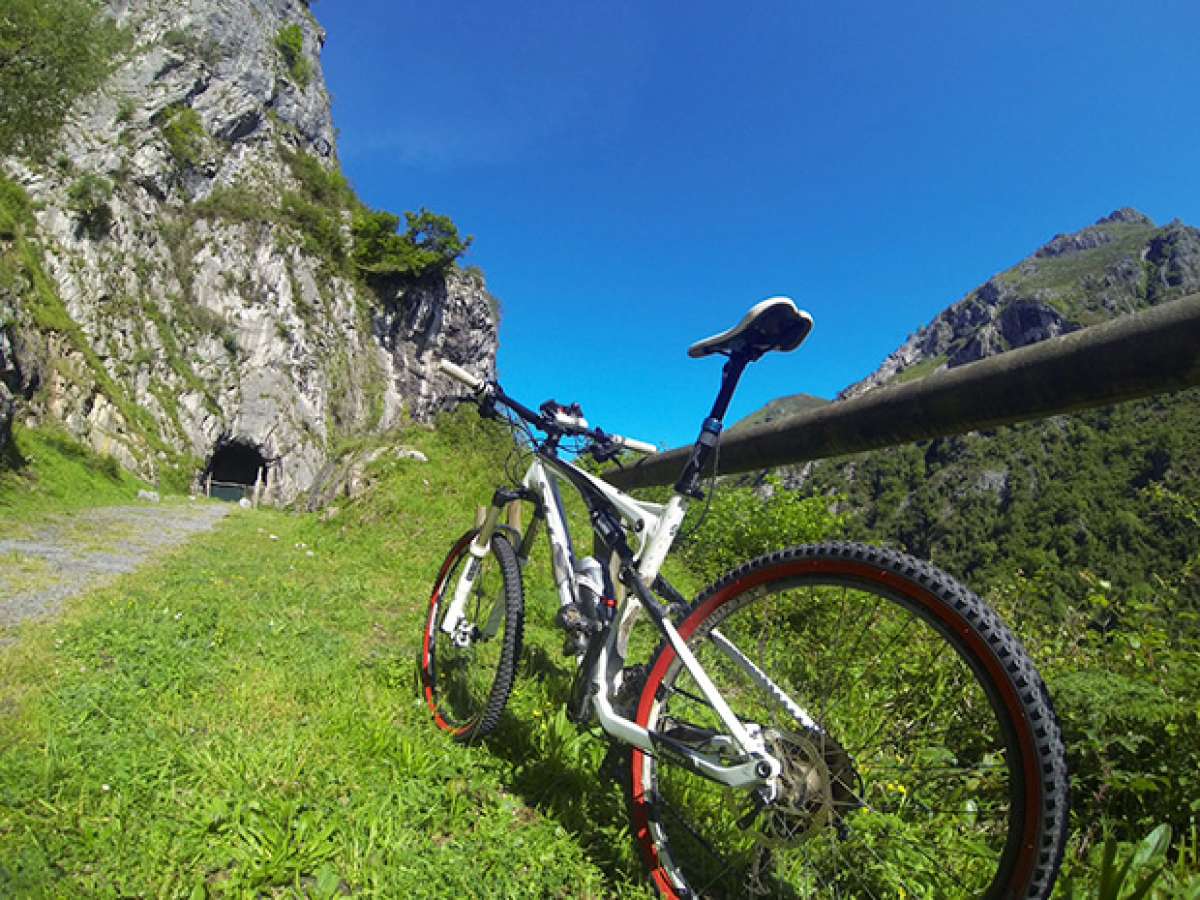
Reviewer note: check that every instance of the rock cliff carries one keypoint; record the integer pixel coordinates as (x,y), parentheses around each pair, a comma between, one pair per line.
(176,276)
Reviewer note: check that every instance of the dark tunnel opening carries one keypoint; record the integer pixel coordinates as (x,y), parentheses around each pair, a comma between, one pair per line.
(236,462)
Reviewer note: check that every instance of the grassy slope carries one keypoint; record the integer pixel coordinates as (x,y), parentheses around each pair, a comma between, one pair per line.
(241,718)
(780,408)
(58,474)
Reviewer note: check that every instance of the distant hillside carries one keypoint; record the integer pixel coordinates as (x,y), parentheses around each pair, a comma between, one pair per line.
(1109,494)
(780,408)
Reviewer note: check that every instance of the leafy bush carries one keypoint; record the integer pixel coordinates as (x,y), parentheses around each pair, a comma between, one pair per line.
(89,199)
(234,203)
(51,52)
(125,109)
(431,243)
(1124,675)
(741,524)
(185,136)
(177,39)
(290,44)
(15,209)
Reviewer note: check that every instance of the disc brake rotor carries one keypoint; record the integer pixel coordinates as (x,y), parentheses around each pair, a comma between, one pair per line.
(815,787)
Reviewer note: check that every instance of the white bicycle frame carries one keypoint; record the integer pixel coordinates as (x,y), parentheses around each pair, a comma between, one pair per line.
(657,525)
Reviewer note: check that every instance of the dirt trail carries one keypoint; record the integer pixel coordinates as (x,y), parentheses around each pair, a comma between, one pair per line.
(77,552)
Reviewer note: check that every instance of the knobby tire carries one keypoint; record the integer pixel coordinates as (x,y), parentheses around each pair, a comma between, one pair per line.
(932,764)
(466,689)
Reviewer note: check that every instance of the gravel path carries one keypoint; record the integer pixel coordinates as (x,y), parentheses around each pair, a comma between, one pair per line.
(74,553)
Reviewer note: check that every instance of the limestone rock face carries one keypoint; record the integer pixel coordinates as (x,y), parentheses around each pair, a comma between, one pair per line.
(1121,264)
(204,313)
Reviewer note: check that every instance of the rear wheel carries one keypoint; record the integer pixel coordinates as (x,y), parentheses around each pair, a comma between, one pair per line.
(466,676)
(920,754)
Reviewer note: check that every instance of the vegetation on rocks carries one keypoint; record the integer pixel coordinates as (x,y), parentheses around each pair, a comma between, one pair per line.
(430,243)
(51,53)
(289,41)
(89,198)
(185,136)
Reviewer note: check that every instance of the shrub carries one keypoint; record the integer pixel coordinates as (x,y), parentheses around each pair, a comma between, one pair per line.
(15,209)
(322,185)
(290,43)
(125,109)
(185,136)
(430,243)
(740,524)
(89,199)
(1124,675)
(234,203)
(177,39)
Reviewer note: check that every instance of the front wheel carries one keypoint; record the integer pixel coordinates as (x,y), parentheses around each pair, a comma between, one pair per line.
(920,754)
(466,676)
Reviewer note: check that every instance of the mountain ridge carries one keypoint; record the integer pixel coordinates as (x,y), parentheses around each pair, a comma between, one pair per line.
(1121,263)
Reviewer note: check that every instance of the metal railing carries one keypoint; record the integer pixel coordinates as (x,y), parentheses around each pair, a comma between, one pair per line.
(1150,352)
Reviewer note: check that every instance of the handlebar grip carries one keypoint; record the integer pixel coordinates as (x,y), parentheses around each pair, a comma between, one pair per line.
(634,444)
(473,382)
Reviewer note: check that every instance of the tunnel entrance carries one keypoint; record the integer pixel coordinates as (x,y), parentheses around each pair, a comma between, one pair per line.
(234,470)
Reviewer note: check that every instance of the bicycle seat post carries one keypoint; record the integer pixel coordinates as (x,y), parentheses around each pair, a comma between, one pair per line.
(710,430)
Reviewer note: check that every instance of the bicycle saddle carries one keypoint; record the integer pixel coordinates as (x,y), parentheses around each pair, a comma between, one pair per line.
(773,324)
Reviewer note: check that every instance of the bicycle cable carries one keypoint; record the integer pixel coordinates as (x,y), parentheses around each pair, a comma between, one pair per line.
(712,489)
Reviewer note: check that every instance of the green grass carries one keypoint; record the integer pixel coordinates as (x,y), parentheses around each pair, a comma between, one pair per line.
(240,720)
(920,370)
(21,574)
(780,408)
(185,136)
(58,474)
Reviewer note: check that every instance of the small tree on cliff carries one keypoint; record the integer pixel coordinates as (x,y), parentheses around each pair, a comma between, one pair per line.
(431,243)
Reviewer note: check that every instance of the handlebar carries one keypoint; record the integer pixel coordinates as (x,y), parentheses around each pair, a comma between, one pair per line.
(474,382)
(554,420)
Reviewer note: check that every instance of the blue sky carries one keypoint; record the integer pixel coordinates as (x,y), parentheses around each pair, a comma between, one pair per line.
(637,174)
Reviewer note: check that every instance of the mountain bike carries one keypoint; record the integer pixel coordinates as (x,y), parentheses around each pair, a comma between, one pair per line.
(831,720)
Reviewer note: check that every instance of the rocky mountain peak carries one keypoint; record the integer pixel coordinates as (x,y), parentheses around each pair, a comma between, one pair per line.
(1121,264)
(1126,214)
